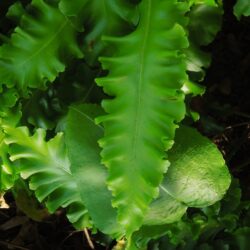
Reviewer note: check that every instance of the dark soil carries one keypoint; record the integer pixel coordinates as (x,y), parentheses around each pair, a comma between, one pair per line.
(225,117)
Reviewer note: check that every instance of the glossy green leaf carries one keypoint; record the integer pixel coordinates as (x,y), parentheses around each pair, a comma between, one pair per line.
(145,77)
(38,48)
(242,8)
(198,175)
(165,209)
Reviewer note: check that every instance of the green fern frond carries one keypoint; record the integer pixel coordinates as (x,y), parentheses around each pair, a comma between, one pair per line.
(48,167)
(38,48)
(146,74)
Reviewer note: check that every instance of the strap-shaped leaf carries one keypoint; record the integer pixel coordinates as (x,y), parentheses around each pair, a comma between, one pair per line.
(146,74)
(48,167)
(38,48)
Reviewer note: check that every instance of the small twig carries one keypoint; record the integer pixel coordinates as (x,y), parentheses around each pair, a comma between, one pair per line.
(241,166)
(242,114)
(237,125)
(86,233)
(4,215)
(71,234)
(88,92)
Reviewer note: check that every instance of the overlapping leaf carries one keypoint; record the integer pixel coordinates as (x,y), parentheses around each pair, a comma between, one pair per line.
(204,24)
(101,17)
(190,156)
(38,48)
(48,167)
(146,74)
(84,153)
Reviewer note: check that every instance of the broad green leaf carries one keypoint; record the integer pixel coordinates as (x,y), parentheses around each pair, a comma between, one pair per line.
(38,48)
(84,153)
(47,166)
(165,209)
(145,77)
(198,175)
(242,8)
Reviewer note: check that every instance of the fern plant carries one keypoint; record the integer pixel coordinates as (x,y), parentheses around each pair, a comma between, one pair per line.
(122,160)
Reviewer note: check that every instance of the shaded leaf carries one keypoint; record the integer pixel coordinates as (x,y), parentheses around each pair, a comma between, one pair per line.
(242,8)
(38,48)
(81,139)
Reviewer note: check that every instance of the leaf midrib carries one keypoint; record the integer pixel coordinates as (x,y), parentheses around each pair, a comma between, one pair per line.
(46,44)
(140,82)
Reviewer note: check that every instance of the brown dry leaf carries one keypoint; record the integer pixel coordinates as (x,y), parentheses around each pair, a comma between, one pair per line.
(3,203)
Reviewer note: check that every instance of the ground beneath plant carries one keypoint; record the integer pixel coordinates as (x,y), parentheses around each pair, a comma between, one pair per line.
(225,118)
